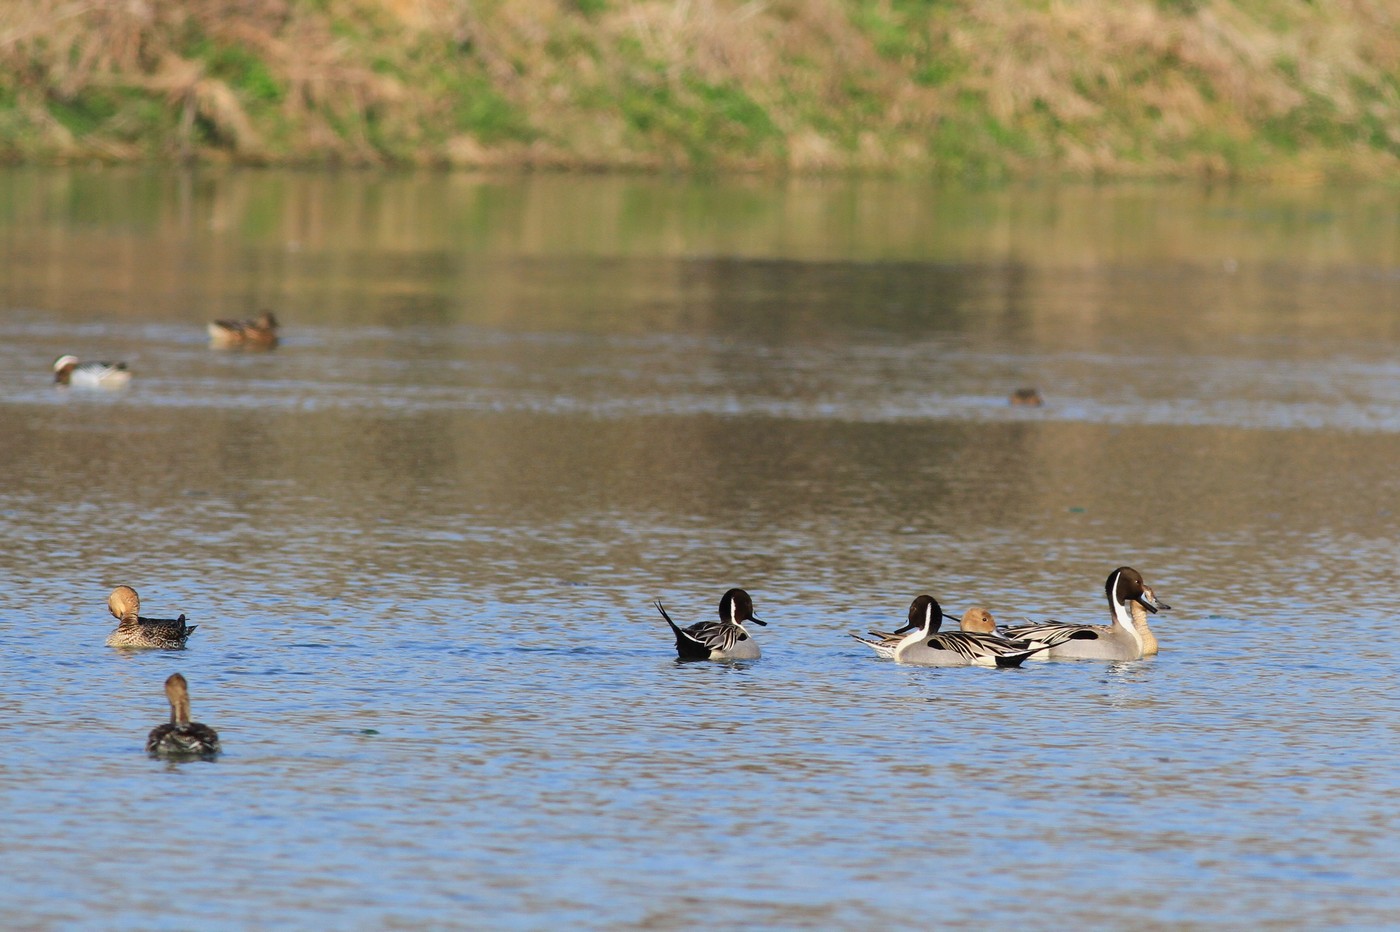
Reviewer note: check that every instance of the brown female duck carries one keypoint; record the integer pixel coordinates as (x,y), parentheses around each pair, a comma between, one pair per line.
(181,737)
(135,631)
(259,333)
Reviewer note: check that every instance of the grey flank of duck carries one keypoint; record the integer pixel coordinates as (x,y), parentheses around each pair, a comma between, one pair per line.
(1127,638)
(69,370)
(135,631)
(181,737)
(919,642)
(259,333)
(726,639)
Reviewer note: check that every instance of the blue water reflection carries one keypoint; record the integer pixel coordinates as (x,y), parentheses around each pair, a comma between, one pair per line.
(421,540)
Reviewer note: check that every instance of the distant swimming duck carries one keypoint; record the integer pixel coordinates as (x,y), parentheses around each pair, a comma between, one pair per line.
(181,737)
(259,333)
(135,631)
(919,641)
(1026,396)
(726,639)
(68,370)
(1127,638)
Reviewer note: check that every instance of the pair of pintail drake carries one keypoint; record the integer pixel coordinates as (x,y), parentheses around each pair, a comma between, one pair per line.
(978,643)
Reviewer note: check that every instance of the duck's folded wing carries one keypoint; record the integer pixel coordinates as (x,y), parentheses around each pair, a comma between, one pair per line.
(715,635)
(973,646)
(1051,633)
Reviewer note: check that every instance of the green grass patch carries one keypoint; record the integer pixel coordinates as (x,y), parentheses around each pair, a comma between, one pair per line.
(241,70)
(705,120)
(892,36)
(86,112)
(478,109)
(937,70)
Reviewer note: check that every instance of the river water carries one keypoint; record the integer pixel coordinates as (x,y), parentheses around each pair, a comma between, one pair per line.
(422,537)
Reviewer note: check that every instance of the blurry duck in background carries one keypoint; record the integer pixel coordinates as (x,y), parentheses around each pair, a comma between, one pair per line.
(69,370)
(181,737)
(259,333)
(1027,396)
(135,631)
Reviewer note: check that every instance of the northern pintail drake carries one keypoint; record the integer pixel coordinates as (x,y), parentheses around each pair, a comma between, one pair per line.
(69,370)
(135,631)
(181,737)
(726,639)
(259,333)
(920,642)
(1127,638)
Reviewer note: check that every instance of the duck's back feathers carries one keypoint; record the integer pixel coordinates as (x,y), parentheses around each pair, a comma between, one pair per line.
(726,639)
(1055,633)
(164,633)
(966,648)
(190,739)
(259,333)
(181,737)
(691,644)
(68,370)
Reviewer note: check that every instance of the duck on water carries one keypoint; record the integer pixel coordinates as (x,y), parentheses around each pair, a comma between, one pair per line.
(726,639)
(1128,637)
(181,737)
(135,631)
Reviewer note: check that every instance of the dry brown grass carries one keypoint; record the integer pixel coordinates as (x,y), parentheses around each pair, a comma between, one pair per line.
(991,88)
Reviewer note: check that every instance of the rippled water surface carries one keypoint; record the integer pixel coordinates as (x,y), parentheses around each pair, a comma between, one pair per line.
(421,540)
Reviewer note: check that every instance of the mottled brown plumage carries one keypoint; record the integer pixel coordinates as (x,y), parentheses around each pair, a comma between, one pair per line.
(135,631)
(260,333)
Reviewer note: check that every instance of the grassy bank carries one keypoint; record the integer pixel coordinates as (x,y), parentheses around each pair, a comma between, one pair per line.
(961,88)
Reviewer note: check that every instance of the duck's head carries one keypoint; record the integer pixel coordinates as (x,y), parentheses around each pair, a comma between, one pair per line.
(177,687)
(267,321)
(736,607)
(978,620)
(123,601)
(63,367)
(926,613)
(1125,585)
